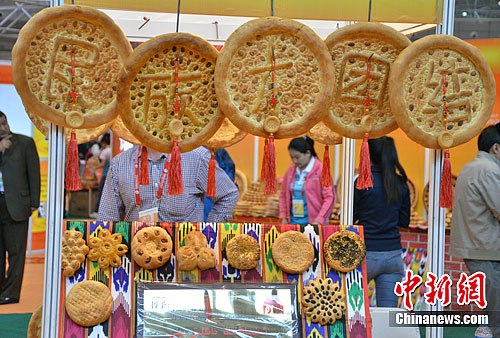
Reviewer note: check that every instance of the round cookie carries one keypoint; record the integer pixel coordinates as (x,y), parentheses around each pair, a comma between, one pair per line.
(89,303)
(323,301)
(293,252)
(147,94)
(243,252)
(303,74)
(73,252)
(187,259)
(416,91)
(196,240)
(344,250)
(107,249)
(350,48)
(35,324)
(206,259)
(151,247)
(42,65)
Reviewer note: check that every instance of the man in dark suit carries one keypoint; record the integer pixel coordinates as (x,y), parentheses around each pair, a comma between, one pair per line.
(19,197)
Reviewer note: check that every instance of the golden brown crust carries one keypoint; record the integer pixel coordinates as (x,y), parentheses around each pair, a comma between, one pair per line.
(206,259)
(416,90)
(35,324)
(41,62)
(73,252)
(304,76)
(187,259)
(227,135)
(350,47)
(119,129)
(323,301)
(344,250)
(293,252)
(151,247)
(196,240)
(322,134)
(89,303)
(147,91)
(106,249)
(243,252)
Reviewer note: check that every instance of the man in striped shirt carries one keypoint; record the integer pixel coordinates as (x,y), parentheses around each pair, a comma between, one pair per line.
(118,201)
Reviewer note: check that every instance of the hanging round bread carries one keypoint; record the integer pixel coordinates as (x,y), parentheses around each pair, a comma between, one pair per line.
(147,92)
(417,91)
(82,135)
(70,49)
(227,135)
(285,51)
(350,48)
(119,129)
(324,135)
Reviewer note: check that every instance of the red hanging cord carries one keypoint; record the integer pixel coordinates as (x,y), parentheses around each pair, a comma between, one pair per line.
(365,173)
(211,176)
(175,184)
(446,187)
(72,173)
(326,177)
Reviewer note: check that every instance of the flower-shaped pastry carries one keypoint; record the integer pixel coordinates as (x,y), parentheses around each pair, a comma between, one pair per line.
(106,249)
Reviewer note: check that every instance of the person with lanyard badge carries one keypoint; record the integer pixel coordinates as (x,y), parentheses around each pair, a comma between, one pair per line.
(303,200)
(137,184)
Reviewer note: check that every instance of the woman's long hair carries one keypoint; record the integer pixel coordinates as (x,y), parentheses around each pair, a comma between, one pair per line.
(383,153)
(302,145)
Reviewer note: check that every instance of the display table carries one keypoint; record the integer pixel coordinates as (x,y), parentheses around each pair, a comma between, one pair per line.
(355,323)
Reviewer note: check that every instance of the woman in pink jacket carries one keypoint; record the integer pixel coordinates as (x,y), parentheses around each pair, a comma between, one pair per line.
(303,200)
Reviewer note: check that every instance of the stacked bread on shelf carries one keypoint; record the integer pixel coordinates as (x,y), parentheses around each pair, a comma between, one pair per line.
(254,202)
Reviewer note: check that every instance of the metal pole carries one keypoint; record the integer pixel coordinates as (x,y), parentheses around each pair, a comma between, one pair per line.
(346,204)
(436,217)
(55,214)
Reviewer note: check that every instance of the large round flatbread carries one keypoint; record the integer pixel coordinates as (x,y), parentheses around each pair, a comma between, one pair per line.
(89,303)
(324,135)
(293,252)
(82,135)
(119,129)
(147,91)
(304,77)
(41,65)
(417,95)
(227,135)
(350,47)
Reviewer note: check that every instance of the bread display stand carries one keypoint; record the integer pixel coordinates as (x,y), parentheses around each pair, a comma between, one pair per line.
(128,283)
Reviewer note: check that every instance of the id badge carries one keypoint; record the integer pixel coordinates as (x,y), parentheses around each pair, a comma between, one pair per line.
(298,207)
(149,215)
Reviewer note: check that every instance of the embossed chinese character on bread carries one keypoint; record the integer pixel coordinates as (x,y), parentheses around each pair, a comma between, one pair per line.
(147,92)
(416,91)
(42,65)
(302,71)
(350,47)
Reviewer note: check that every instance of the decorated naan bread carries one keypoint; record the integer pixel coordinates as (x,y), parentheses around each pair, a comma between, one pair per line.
(66,63)
(351,48)
(119,129)
(147,93)
(324,135)
(287,52)
(418,95)
(227,135)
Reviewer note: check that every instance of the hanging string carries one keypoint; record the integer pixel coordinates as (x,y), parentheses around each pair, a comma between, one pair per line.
(175,184)
(178,16)
(365,180)
(272,7)
(370,11)
(446,188)
(72,172)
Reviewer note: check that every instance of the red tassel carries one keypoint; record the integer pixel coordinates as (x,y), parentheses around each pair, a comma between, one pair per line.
(175,184)
(264,166)
(144,173)
(270,171)
(326,177)
(72,175)
(211,177)
(446,189)
(365,172)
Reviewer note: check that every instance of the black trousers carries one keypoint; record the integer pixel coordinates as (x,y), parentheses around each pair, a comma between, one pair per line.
(13,236)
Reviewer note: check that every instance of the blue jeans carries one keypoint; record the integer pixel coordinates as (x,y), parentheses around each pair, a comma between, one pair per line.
(386,268)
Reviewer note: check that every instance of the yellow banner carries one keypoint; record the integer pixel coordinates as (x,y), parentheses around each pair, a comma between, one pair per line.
(403,11)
